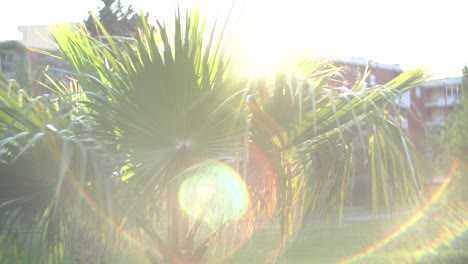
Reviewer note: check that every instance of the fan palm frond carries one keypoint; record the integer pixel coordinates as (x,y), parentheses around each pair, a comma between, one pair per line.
(150,119)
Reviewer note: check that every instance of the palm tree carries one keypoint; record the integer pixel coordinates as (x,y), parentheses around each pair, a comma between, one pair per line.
(156,145)
(46,162)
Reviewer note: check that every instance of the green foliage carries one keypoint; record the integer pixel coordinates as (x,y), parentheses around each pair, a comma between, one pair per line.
(117,20)
(453,160)
(140,114)
(453,137)
(46,162)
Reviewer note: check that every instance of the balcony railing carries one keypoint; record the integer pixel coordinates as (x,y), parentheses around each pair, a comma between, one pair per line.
(435,123)
(441,102)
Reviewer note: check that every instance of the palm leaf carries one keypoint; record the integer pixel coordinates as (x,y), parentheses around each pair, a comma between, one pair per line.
(45,171)
(140,115)
(334,122)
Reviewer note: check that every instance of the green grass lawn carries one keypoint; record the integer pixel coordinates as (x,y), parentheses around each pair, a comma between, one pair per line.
(317,243)
(335,243)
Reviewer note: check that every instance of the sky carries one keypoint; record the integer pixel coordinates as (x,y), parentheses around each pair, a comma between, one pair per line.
(406,32)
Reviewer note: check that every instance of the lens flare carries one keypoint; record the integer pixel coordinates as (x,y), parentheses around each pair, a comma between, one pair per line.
(214,193)
(439,224)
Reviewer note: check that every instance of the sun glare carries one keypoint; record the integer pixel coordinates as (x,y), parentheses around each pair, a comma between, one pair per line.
(214,193)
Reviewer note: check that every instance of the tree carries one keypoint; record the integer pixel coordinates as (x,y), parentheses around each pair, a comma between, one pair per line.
(453,137)
(116,20)
(452,141)
(156,144)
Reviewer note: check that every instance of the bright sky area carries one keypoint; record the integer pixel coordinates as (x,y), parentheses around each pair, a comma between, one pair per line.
(406,32)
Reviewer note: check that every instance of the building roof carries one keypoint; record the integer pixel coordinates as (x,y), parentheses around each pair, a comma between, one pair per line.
(442,82)
(365,63)
(15,44)
(37,36)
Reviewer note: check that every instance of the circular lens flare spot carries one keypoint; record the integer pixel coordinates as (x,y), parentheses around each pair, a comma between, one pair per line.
(213,192)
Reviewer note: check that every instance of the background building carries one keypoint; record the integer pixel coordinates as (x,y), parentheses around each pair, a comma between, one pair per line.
(427,113)
(13,56)
(20,60)
(353,69)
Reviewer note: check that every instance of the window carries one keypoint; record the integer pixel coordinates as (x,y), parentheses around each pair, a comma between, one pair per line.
(452,90)
(6,62)
(418,92)
(405,100)
(372,80)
